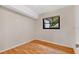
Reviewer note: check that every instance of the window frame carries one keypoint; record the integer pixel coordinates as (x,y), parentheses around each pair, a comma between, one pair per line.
(50,23)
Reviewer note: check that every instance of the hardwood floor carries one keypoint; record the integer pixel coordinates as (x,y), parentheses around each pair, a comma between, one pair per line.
(39,47)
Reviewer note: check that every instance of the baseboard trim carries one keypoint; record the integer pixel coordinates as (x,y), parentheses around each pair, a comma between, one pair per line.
(46,43)
(56,46)
(14,46)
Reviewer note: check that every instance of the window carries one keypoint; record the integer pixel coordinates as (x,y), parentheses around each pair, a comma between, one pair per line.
(51,22)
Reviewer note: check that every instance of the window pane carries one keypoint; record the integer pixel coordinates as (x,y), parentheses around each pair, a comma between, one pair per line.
(55,26)
(47,25)
(46,21)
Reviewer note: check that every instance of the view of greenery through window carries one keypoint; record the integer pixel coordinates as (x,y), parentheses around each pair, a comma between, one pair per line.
(52,22)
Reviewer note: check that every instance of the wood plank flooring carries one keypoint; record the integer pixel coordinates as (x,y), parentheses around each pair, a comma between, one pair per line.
(39,47)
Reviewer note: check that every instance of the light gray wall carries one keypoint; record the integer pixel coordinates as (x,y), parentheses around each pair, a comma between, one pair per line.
(66,34)
(14,29)
(77,23)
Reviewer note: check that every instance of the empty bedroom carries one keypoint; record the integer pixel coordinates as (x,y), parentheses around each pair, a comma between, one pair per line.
(39,29)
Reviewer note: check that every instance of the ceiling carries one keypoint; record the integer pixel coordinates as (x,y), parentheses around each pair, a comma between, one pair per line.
(39,9)
(33,11)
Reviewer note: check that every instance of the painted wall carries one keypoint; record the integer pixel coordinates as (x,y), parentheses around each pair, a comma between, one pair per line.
(66,34)
(77,23)
(14,29)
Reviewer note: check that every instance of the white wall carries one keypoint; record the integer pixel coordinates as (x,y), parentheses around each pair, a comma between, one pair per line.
(66,34)
(77,23)
(14,29)
(77,28)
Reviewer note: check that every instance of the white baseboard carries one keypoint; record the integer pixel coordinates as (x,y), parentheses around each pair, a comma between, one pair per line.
(29,41)
(14,46)
(53,42)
